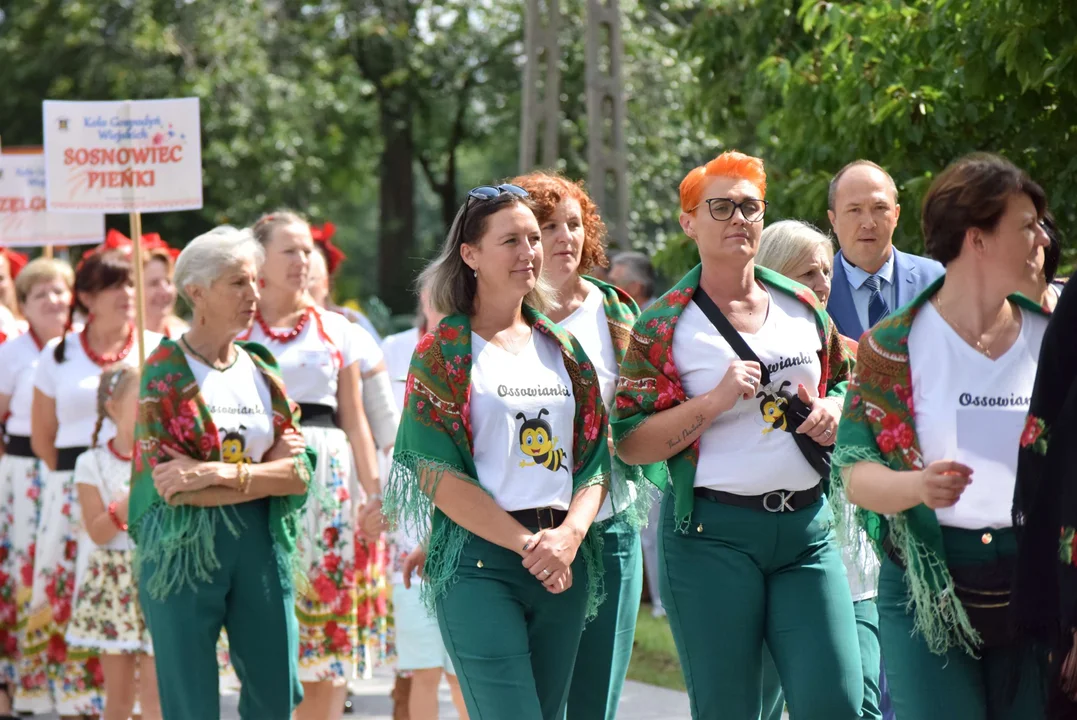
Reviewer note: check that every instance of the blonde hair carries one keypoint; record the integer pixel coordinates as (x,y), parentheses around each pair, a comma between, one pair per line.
(452,283)
(115,381)
(786,244)
(39,271)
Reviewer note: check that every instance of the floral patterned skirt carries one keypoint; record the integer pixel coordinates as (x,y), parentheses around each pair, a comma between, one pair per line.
(328,636)
(107,615)
(21,479)
(75,678)
(377,639)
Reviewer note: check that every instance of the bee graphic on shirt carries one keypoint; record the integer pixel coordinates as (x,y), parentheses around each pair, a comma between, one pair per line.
(538,443)
(234,445)
(772,407)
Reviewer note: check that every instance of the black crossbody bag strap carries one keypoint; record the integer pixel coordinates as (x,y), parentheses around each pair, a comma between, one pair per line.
(729,333)
(816,455)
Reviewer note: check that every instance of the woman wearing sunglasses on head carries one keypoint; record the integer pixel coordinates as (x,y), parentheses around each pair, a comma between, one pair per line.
(600,316)
(746,548)
(504,431)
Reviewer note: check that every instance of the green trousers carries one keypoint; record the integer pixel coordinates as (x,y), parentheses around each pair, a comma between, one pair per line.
(245,596)
(606,645)
(867,631)
(512,642)
(740,578)
(1003,684)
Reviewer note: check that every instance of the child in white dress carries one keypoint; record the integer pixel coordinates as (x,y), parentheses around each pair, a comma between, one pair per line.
(107,617)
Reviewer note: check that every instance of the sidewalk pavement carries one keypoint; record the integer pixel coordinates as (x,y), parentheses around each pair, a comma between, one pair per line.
(371,701)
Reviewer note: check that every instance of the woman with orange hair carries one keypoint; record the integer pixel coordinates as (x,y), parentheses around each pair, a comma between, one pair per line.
(734,379)
(600,316)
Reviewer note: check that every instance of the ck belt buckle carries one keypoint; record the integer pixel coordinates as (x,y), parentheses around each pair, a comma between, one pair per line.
(548,512)
(778,501)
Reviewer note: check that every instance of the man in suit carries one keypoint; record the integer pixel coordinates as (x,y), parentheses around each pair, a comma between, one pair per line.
(872,278)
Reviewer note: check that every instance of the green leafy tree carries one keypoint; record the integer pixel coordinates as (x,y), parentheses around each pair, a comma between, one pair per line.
(811,85)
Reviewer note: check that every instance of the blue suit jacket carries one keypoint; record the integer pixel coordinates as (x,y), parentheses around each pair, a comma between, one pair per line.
(912,274)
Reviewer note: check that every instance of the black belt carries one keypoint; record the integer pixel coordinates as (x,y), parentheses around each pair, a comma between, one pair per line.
(775,502)
(19,446)
(892,552)
(66,457)
(314,415)
(541,518)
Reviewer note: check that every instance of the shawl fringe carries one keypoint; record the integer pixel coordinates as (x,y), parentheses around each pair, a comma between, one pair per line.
(180,542)
(414,479)
(937,613)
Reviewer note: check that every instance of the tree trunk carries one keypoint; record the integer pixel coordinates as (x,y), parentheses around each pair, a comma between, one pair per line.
(397,260)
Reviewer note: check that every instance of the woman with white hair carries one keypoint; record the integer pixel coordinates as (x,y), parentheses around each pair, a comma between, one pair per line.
(801,252)
(218,485)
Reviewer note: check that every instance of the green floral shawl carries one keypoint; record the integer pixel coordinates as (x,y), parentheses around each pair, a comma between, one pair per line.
(435,438)
(179,539)
(650,382)
(621,314)
(879,425)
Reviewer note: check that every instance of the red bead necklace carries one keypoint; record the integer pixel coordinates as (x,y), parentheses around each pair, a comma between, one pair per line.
(108,358)
(116,453)
(283,337)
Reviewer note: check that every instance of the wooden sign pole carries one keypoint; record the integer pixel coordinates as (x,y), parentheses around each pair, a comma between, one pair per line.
(48,251)
(140,299)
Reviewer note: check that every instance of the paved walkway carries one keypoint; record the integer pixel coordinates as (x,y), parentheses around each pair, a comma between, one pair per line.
(638,702)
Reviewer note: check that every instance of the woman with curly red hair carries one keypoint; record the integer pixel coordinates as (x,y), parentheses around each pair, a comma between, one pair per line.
(748,554)
(600,316)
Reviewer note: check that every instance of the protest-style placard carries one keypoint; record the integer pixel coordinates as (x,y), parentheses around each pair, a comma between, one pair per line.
(123,156)
(24,218)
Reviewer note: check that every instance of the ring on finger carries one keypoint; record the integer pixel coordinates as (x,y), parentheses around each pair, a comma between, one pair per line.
(546,573)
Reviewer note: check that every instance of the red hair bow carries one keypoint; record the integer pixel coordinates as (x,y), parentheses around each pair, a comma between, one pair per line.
(16,261)
(116,240)
(322,235)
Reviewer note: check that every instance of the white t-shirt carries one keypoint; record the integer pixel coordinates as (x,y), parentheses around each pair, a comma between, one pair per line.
(73,385)
(100,468)
(239,402)
(960,393)
(311,363)
(398,350)
(742,452)
(9,326)
(18,358)
(589,326)
(524,462)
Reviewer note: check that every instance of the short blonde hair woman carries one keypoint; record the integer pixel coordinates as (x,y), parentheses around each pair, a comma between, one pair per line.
(43,294)
(799,251)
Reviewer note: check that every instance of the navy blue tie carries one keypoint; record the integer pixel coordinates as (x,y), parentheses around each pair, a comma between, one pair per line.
(877,307)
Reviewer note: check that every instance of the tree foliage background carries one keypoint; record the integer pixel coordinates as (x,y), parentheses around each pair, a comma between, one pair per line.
(380,114)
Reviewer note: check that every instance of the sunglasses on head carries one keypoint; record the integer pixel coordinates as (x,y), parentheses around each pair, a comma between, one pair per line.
(487,192)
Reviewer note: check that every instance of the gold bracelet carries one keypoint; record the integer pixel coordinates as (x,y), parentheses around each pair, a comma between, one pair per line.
(244,477)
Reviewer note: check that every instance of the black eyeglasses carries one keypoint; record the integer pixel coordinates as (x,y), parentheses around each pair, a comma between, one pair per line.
(722,209)
(486,192)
